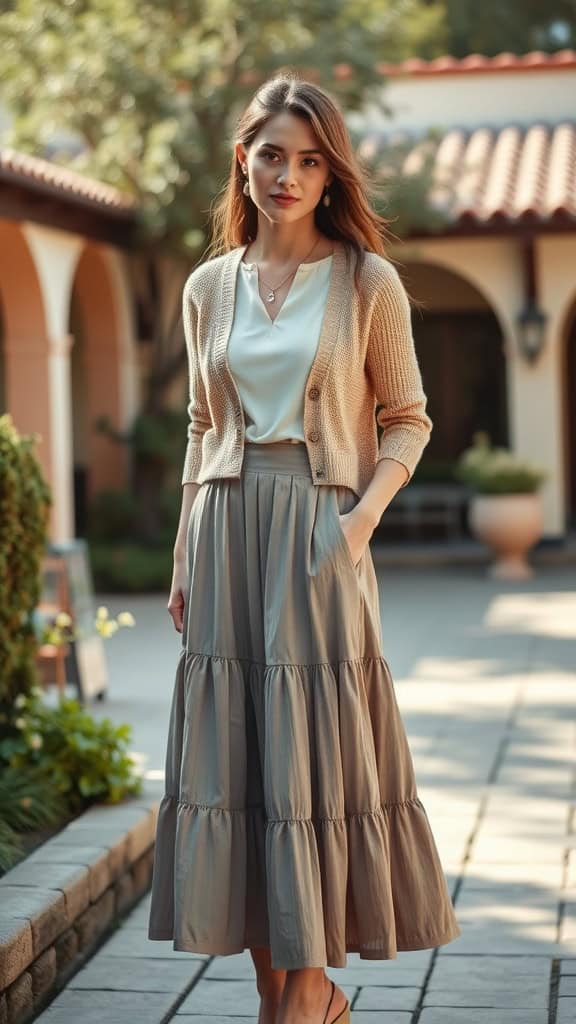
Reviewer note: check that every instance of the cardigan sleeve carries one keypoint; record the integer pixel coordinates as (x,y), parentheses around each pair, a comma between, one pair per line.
(393,368)
(199,419)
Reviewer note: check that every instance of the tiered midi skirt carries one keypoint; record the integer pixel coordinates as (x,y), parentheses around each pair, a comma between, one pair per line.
(291,818)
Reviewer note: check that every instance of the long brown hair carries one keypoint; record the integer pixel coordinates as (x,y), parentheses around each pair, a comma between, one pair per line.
(350,217)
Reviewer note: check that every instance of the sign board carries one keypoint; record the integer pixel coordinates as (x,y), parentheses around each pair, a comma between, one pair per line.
(86,661)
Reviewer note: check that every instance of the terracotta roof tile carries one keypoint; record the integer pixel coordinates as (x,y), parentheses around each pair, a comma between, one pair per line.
(21,168)
(477,62)
(484,174)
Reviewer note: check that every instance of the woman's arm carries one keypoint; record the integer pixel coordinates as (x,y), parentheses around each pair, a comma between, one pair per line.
(179,586)
(393,368)
(389,476)
(198,422)
(199,419)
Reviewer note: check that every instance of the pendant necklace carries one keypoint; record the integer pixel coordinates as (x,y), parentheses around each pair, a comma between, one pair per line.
(271,296)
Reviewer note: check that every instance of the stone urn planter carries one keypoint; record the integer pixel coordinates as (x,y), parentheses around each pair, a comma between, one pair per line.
(505,511)
(509,524)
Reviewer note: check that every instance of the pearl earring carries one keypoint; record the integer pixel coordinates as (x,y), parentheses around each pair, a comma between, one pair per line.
(246,185)
(326,199)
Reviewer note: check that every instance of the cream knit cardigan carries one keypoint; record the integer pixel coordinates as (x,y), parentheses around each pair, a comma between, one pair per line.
(365,356)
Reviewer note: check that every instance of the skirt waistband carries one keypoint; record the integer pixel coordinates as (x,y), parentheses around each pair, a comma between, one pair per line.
(277,457)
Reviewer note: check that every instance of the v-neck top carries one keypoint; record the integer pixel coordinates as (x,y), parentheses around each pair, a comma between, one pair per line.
(365,373)
(270,360)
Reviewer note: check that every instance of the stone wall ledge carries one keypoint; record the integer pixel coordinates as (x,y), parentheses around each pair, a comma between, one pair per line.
(64,899)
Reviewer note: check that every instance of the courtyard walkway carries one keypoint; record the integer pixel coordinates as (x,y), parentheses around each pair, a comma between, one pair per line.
(485,676)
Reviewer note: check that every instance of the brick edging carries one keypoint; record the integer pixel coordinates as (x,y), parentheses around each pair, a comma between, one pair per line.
(59,902)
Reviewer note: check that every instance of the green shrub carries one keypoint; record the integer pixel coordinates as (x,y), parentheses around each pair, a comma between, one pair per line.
(83,759)
(115,519)
(435,471)
(497,470)
(53,761)
(24,506)
(160,438)
(28,801)
(131,533)
(112,516)
(131,568)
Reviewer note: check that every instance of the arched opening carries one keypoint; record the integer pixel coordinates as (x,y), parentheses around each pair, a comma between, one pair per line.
(99,461)
(24,354)
(80,419)
(459,345)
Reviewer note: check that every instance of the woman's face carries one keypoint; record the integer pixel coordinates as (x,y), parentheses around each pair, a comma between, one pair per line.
(284,159)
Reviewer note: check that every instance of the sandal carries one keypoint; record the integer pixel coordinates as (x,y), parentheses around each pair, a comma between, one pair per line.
(344,1016)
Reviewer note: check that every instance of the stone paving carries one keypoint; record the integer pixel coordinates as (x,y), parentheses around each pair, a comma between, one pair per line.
(485,676)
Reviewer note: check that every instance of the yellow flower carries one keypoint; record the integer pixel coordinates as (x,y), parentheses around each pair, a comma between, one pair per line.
(63,619)
(126,619)
(20,723)
(20,701)
(107,628)
(102,613)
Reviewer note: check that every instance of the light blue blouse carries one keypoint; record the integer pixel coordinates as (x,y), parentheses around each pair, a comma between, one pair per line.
(270,359)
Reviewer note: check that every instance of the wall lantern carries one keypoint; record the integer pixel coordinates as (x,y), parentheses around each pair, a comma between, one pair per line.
(531,321)
(531,330)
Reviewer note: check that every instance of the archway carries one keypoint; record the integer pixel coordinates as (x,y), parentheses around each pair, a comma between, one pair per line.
(24,345)
(459,344)
(96,372)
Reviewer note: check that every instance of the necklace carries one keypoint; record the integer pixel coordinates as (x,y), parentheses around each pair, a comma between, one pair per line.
(271,296)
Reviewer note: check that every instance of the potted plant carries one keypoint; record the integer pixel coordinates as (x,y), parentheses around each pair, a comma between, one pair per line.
(505,510)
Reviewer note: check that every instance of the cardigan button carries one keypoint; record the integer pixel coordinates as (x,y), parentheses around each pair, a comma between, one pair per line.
(314,392)
(320,472)
(313,435)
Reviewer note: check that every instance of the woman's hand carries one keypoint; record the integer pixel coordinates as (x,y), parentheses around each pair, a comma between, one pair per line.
(179,588)
(357,527)
(178,593)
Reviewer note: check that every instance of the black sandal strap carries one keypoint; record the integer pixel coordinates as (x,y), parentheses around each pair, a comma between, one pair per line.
(330,1002)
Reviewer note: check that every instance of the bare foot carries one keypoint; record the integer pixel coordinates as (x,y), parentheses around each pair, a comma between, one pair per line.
(304,1004)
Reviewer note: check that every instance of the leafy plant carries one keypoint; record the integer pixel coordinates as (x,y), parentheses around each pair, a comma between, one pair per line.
(24,505)
(497,470)
(82,758)
(62,629)
(28,801)
(134,568)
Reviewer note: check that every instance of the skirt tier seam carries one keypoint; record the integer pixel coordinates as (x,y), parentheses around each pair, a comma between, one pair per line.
(362,659)
(389,805)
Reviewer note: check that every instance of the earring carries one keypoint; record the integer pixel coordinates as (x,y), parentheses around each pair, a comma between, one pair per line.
(246,187)
(326,198)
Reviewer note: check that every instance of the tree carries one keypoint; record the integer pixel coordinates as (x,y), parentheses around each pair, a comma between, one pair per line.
(144,96)
(516,26)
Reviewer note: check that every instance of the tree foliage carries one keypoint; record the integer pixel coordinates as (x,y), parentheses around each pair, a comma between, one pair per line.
(515,26)
(144,96)
(25,501)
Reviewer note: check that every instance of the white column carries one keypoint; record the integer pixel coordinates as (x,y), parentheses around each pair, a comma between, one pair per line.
(60,405)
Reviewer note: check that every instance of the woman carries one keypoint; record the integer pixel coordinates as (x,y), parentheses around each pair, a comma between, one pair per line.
(291,823)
